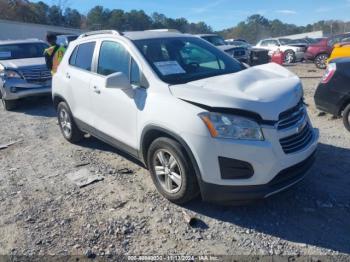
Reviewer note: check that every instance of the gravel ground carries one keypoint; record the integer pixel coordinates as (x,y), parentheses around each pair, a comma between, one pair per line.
(44,213)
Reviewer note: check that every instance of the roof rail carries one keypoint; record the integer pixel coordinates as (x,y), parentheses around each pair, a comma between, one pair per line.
(100,32)
(164,30)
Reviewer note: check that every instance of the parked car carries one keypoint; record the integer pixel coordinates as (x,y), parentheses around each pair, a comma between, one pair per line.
(257,56)
(241,53)
(340,50)
(64,40)
(23,71)
(320,52)
(200,121)
(333,93)
(293,53)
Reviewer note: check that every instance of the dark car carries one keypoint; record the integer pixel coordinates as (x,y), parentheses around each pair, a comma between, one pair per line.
(320,52)
(241,53)
(333,93)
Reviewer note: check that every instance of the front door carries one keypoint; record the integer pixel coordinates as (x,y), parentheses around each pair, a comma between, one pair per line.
(115,110)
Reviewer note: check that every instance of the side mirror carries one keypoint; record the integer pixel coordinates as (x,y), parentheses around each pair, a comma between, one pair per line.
(118,80)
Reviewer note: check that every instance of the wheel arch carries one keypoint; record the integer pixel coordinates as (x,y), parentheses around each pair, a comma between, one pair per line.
(152,132)
(57,99)
(344,104)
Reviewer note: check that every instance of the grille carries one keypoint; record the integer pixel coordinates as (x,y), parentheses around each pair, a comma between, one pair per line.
(239,53)
(297,141)
(292,116)
(36,74)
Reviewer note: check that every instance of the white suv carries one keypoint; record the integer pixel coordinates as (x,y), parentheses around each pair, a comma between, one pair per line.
(200,121)
(293,52)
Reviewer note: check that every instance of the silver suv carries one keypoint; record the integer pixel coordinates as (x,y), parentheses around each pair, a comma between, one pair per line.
(23,71)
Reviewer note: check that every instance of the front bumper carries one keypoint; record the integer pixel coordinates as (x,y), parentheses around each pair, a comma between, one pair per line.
(267,159)
(18,89)
(309,56)
(284,180)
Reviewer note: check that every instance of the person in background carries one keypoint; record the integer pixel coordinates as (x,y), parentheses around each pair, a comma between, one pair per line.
(53,54)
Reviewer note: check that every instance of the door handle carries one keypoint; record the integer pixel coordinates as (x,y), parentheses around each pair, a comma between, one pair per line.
(96,90)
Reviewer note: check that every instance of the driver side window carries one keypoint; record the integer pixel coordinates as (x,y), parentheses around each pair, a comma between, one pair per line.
(113,58)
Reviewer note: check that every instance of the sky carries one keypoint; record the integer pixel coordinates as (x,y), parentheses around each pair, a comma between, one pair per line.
(221,14)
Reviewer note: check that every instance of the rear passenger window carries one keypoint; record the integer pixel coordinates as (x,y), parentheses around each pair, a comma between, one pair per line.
(113,58)
(82,56)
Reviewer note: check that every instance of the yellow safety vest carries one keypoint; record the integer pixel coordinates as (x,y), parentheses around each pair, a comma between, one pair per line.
(58,56)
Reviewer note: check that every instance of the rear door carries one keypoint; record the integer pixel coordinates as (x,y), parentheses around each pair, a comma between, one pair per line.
(78,77)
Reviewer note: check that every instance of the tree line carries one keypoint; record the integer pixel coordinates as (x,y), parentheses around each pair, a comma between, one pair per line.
(96,19)
(257,27)
(253,29)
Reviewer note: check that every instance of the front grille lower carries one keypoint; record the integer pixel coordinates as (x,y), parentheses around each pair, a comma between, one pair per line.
(36,74)
(298,141)
(292,116)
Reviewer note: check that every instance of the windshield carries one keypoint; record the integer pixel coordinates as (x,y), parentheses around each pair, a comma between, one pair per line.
(184,59)
(20,51)
(215,40)
(239,44)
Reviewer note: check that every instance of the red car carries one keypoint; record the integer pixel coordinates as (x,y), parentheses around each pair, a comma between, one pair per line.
(319,52)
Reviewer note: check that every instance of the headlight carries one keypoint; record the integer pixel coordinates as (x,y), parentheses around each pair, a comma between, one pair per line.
(230,126)
(11,74)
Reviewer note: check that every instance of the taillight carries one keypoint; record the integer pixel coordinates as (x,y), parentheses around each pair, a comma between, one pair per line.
(329,73)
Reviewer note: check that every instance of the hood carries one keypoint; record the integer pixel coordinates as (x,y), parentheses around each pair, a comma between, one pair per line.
(267,90)
(27,62)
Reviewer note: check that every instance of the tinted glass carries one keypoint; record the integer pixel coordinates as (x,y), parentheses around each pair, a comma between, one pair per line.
(84,56)
(184,59)
(215,40)
(21,51)
(113,58)
(73,56)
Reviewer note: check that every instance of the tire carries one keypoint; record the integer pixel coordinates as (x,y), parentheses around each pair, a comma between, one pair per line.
(346,117)
(289,57)
(175,178)
(9,104)
(69,129)
(321,61)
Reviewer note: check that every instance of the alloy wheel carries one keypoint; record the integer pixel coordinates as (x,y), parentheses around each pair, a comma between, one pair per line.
(289,58)
(168,171)
(321,61)
(65,122)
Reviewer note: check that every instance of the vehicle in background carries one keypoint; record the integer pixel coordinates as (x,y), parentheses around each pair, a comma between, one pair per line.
(292,53)
(200,121)
(23,71)
(333,93)
(64,40)
(340,50)
(240,53)
(305,41)
(257,56)
(320,52)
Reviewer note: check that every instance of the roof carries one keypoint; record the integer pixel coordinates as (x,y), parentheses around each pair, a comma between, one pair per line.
(24,41)
(204,35)
(140,35)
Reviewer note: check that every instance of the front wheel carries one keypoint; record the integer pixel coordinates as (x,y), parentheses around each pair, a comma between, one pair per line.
(321,61)
(289,57)
(67,125)
(346,117)
(171,171)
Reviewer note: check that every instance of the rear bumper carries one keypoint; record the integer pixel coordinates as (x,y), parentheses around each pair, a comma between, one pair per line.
(328,100)
(284,180)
